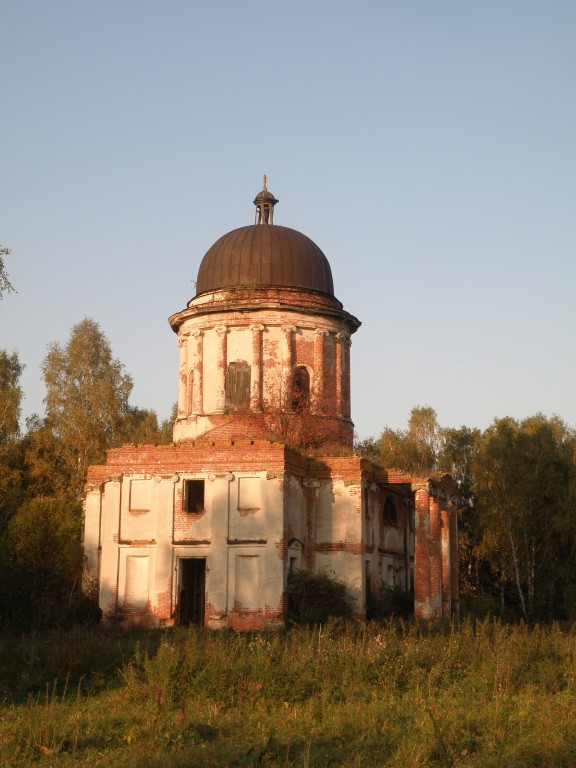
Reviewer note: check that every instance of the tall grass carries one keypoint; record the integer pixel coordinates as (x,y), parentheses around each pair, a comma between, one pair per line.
(341,695)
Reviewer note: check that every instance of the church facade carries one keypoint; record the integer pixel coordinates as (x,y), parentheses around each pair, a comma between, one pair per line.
(261,478)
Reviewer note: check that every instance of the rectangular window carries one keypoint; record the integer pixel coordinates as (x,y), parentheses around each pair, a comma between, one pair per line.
(238,386)
(193,498)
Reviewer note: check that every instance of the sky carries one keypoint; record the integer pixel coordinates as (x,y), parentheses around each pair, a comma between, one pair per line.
(427,146)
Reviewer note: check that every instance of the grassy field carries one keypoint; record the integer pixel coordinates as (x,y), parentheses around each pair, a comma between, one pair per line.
(484,695)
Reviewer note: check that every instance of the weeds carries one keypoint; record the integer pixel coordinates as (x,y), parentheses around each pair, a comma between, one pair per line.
(340,695)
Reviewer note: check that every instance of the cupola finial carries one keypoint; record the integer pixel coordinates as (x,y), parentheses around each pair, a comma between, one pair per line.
(265,202)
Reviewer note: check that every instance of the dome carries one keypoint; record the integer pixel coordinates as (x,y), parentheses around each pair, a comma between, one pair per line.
(265,255)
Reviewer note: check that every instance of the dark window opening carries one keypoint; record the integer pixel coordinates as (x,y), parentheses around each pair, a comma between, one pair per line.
(238,386)
(300,389)
(193,500)
(390,514)
(192,590)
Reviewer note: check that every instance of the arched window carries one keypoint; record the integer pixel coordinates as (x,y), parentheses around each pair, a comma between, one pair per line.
(300,389)
(390,514)
(238,386)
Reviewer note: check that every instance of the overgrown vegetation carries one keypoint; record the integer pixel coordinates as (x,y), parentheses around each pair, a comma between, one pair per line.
(517,510)
(341,694)
(42,473)
(313,598)
(517,484)
(485,695)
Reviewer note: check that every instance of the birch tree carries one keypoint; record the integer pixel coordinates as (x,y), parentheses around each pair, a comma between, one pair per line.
(522,480)
(415,450)
(87,393)
(10,395)
(5,284)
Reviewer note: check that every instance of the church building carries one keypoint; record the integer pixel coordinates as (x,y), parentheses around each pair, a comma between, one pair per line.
(261,478)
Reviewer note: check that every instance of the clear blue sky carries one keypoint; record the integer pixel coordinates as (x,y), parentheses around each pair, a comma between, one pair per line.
(427,146)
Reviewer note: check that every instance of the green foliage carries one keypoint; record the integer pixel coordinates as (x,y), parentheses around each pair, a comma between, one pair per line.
(485,695)
(390,602)
(416,450)
(368,449)
(523,480)
(11,454)
(12,480)
(86,400)
(49,471)
(314,598)
(41,557)
(10,395)
(517,507)
(458,456)
(5,284)
(167,426)
(140,427)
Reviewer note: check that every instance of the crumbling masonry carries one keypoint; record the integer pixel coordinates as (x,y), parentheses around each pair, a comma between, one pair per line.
(261,478)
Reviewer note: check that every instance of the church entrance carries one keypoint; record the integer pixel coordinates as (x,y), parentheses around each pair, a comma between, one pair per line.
(191,590)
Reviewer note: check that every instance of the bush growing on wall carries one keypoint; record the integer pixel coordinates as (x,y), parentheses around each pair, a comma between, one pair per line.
(314,598)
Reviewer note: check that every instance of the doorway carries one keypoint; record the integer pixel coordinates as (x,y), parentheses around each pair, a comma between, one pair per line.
(191,590)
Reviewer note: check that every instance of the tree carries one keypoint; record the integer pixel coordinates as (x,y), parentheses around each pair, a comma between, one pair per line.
(167,426)
(41,557)
(86,400)
(49,471)
(523,475)
(5,284)
(457,457)
(12,480)
(368,449)
(11,455)
(416,450)
(10,395)
(141,427)
(517,507)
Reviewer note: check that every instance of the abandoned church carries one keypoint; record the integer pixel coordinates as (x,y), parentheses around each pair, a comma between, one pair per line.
(261,478)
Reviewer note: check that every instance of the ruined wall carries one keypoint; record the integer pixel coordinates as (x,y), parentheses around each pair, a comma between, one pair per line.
(436,550)
(264,510)
(270,342)
(140,526)
(389,540)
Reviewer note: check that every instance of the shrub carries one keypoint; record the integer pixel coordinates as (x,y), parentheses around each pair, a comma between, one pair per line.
(314,598)
(42,559)
(391,602)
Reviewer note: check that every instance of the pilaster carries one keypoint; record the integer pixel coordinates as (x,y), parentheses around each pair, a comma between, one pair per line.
(198,378)
(183,376)
(339,388)
(318,399)
(256,372)
(287,363)
(446,545)
(422,576)
(221,364)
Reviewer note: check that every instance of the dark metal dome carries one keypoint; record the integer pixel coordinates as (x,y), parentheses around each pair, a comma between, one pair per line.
(261,256)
